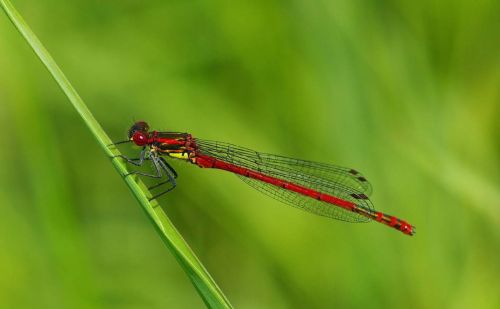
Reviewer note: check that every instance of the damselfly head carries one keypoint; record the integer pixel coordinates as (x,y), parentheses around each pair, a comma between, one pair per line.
(138,133)
(140,126)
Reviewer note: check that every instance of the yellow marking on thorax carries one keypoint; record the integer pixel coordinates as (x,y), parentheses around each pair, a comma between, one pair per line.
(179,155)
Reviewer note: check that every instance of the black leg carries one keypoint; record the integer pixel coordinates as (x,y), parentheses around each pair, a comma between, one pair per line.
(170,172)
(170,168)
(154,161)
(171,178)
(118,143)
(161,193)
(161,166)
(137,162)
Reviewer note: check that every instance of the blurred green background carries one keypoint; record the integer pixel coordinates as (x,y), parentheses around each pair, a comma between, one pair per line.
(406,92)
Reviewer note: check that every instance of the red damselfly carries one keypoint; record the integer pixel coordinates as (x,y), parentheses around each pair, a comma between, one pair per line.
(323,189)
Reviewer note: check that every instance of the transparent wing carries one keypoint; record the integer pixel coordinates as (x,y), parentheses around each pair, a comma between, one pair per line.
(304,202)
(348,177)
(344,183)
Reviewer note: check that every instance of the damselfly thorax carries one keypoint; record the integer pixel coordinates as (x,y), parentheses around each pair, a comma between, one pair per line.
(174,144)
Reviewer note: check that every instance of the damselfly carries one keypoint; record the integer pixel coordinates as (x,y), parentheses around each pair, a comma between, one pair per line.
(323,189)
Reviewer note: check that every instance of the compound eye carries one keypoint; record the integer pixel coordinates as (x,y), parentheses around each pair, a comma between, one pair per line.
(140,138)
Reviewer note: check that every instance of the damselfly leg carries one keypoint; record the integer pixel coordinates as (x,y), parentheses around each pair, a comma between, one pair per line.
(169,172)
(136,161)
(166,167)
(161,169)
(120,142)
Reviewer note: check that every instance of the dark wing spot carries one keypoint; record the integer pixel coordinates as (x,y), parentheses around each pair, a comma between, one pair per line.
(360,196)
(354,172)
(361,178)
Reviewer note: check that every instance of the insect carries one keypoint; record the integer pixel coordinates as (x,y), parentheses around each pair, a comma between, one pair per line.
(323,189)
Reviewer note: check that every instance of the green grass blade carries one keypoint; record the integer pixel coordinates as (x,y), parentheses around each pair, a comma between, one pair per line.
(203,282)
